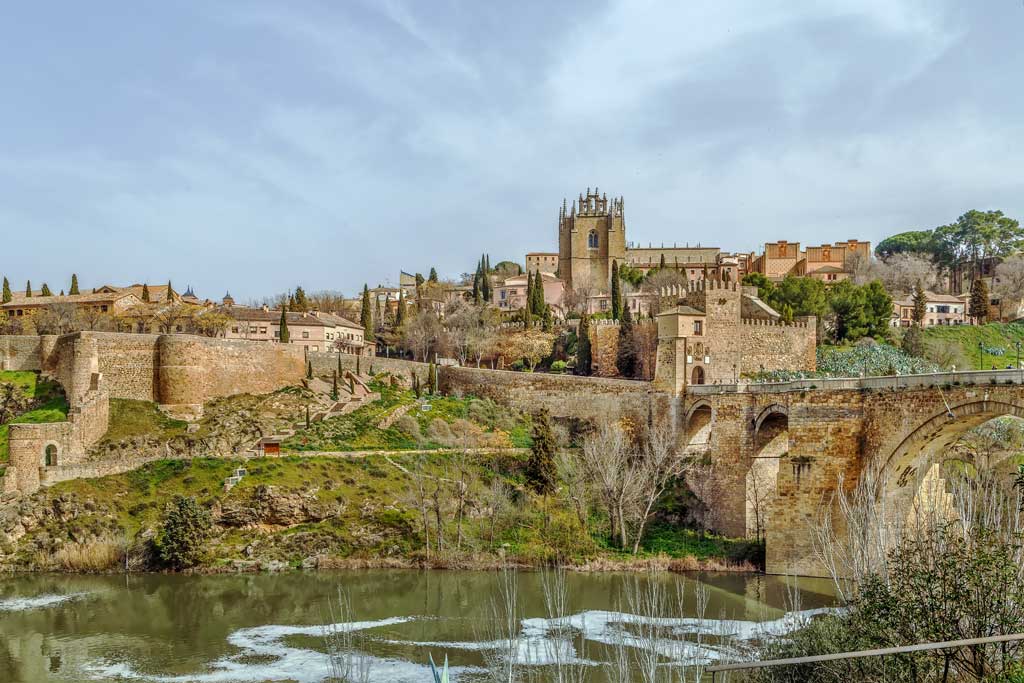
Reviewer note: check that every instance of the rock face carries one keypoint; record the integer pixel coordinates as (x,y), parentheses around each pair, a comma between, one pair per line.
(271,506)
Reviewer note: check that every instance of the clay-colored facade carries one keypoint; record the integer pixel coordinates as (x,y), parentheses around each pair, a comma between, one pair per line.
(591,235)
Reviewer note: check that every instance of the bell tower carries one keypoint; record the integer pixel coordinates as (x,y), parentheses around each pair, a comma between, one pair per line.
(591,234)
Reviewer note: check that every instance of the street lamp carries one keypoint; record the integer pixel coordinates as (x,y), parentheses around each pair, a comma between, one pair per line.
(981,356)
(1017,346)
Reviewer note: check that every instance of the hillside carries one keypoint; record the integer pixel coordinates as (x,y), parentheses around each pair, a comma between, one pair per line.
(25,398)
(974,347)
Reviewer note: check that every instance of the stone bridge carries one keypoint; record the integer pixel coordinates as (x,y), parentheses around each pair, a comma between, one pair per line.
(799,442)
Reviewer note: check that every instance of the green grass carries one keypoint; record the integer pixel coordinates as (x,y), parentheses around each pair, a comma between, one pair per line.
(996,339)
(52,405)
(679,542)
(130,418)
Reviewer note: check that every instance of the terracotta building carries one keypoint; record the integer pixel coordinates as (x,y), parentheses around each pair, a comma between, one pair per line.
(510,294)
(828,262)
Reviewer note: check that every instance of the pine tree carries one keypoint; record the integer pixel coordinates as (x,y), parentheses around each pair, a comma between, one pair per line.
(979,301)
(366,315)
(616,292)
(284,335)
(45,291)
(170,293)
(433,275)
(920,304)
(74,284)
(28,288)
(625,358)
(540,468)
(145,293)
(301,302)
(583,353)
(7,296)
(309,369)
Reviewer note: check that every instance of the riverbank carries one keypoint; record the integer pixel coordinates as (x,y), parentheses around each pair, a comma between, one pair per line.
(443,510)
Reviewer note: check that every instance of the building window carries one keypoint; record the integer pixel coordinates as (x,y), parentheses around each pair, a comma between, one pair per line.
(263,330)
(604,305)
(592,240)
(234,330)
(277,334)
(698,328)
(305,335)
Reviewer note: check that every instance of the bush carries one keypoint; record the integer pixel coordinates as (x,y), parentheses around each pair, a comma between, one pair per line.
(184,531)
(410,426)
(558,366)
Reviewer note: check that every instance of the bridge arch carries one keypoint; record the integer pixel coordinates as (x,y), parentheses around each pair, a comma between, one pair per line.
(698,422)
(770,443)
(767,412)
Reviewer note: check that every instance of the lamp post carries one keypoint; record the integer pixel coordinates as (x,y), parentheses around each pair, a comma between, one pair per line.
(1017,346)
(981,356)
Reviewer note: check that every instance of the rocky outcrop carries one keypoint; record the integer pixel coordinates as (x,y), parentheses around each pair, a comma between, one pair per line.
(272,506)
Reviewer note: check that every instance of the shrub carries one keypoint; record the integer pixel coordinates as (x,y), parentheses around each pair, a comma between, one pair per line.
(410,426)
(558,366)
(184,531)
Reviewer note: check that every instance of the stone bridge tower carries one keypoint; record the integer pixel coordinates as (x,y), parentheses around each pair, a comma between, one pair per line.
(591,234)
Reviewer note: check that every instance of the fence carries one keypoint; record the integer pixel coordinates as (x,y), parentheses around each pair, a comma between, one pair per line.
(861,654)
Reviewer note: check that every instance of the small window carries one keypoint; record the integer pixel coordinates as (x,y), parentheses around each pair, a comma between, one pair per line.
(305,335)
(277,334)
(234,330)
(592,240)
(263,330)
(698,328)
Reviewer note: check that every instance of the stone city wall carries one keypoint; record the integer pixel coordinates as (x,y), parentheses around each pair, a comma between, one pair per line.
(767,345)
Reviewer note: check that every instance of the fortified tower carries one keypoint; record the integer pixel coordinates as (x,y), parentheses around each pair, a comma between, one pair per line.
(591,234)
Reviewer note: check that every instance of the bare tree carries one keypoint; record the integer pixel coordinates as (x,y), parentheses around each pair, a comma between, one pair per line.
(900,274)
(1009,286)
(58,318)
(420,333)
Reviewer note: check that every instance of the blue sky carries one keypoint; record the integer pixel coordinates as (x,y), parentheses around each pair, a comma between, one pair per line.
(255,146)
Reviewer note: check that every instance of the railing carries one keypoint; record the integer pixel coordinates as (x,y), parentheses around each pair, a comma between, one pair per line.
(861,654)
(979,377)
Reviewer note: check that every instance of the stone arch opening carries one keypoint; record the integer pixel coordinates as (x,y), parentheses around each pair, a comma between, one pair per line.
(912,477)
(771,445)
(697,433)
(697,376)
(50,454)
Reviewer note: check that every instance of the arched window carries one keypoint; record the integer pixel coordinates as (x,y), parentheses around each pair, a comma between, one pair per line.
(50,456)
(592,240)
(698,375)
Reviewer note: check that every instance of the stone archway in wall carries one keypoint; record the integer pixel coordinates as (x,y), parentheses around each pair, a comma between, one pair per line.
(911,476)
(697,426)
(770,445)
(51,454)
(697,375)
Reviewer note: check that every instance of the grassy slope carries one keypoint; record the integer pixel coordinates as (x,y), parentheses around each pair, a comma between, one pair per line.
(991,336)
(53,407)
(358,430)
(130,418)
(379,517)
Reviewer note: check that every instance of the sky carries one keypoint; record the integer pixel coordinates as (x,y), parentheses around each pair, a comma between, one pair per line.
(255,146)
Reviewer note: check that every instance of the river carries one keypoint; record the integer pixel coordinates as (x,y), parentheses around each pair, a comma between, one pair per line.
(270,627)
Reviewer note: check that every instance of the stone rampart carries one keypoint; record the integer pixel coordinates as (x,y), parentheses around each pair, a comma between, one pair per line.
(769,345)
(325,362)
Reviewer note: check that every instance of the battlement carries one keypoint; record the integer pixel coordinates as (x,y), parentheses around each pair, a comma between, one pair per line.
(763,322)
(694,286)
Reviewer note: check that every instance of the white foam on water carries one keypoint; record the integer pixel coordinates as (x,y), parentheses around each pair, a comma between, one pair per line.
(37,601)
(540,642)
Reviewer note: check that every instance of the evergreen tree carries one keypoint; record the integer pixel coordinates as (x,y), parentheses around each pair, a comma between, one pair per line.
(301,301)
(307,417)
(527,315)
(359,368)
(309,369)
(45,291)
(538,294)
(28,288)
(284,335)
(431,379)
(366,315)
(145,293)
(920,304)
(547,321)
(334,386)
(583,353)
(400,311)
(170,293)
(7,296)
(540,468)
(61,293)
(477,294)
(340,370)
(184,532)
(74,284)
(485,279)
(433,275)
(625,359)
(979,301)
(661,263)
(616,292)
(913,341)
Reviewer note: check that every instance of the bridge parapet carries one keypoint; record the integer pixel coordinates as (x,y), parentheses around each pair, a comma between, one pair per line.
(938,379)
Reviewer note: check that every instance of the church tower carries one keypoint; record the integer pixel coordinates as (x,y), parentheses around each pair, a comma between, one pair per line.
(591,235)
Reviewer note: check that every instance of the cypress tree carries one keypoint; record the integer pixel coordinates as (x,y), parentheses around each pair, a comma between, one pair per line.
(145,293)
(979,301)
(28,288)
(400,312)
(616,292)
(477,296)
(538,294)
(366,315)
(661,263)
(432,378)
(307,417)
(583,353)
(334,387)
(540,468)
(340,370)
(309,370)
(547,322)
(920,304)
(45,291)
(528,315)
(359,369)
(74,284)
(170,293)
(7,296)
(61,293)
(433,275)
(625,359)
(285,336)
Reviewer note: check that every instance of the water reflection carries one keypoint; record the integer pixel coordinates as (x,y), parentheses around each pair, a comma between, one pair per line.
(269,627)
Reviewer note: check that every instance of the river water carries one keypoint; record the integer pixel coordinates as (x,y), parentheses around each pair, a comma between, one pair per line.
(253,628)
